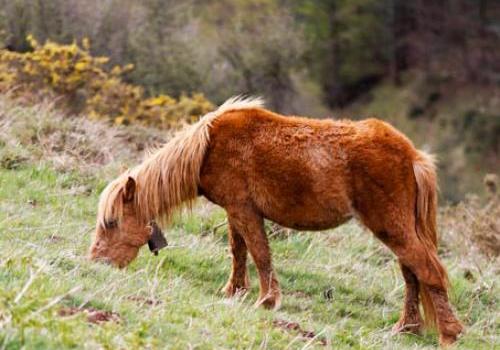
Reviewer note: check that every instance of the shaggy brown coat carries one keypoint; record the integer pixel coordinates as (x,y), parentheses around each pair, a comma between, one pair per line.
(301,173)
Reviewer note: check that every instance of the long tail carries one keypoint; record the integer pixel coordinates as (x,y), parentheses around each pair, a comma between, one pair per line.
(425,175)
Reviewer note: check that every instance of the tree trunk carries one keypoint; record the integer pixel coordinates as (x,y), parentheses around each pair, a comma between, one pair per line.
(333,82)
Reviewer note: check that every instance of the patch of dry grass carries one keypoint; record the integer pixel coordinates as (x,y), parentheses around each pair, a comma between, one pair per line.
(41,133)
(472,227)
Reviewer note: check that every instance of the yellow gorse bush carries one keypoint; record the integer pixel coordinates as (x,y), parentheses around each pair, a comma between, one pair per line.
(83,83)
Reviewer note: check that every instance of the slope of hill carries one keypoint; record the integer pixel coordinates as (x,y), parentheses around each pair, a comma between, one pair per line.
(341,288)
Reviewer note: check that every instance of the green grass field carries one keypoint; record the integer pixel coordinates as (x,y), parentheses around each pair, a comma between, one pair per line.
(342,285)
(342,289)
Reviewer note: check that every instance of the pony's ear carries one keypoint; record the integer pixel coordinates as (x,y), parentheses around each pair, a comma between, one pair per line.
(129,190)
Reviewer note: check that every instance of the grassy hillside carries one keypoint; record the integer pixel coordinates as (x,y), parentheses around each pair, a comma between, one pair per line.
(341,288)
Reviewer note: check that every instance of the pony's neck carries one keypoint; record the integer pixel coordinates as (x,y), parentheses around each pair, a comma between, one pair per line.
(170,176)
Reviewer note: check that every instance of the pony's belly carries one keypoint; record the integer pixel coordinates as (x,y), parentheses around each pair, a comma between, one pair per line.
(309,220)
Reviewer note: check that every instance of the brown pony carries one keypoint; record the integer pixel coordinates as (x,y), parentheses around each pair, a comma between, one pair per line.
(300,173)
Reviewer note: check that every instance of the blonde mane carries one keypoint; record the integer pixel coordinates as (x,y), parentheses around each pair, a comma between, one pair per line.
(170,176)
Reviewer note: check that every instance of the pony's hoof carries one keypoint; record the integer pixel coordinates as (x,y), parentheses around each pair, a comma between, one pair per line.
(451,334)
(270,301)
(232,289)
(407,326)
(446,340)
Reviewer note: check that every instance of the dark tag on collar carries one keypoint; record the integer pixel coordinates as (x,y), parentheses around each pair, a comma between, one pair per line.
(157,240)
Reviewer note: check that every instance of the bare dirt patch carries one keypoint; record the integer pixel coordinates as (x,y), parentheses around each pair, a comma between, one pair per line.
(93,315)
(295,327)
(144,301)
(54,238)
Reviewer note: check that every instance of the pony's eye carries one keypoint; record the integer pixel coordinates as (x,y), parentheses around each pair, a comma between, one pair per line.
(109,224)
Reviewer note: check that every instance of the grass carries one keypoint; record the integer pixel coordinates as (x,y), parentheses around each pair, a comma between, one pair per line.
(342,285)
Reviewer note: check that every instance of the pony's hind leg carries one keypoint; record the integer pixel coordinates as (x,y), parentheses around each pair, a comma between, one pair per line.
(410,320)
(238,281)
(448,325)
(424,263)
(250,225)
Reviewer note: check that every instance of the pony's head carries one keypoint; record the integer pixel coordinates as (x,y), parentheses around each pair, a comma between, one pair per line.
(167,179)
(120,231)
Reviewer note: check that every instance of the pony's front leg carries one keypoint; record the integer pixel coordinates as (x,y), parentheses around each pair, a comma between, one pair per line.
(250,225)
(238,281)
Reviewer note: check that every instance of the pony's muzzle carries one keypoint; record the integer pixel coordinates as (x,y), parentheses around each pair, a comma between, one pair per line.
(157,240)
